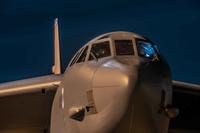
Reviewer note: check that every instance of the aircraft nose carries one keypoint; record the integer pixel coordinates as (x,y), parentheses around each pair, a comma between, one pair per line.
(116,80)
(112,89)
(105,78)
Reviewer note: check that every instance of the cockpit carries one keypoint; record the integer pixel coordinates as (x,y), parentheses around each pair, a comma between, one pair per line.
(115,44)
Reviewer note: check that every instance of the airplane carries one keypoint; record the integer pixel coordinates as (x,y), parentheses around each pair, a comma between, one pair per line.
(118,82)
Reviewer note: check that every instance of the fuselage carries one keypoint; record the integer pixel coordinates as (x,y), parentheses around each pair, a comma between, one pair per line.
(118,82)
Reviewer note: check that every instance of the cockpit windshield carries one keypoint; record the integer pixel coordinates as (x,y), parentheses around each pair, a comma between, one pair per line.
(146,49)
(100,50)
(124,47)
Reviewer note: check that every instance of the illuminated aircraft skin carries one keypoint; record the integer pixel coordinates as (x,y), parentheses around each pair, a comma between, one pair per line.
(117,82)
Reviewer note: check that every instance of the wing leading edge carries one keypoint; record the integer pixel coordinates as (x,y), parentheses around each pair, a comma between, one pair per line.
(186,86)
(30,85)
(186,97)
(26,104)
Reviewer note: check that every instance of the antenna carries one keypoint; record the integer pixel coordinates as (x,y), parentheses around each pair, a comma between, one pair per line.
(56,69)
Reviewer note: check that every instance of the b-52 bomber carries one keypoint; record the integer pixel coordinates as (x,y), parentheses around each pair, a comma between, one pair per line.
(118,82)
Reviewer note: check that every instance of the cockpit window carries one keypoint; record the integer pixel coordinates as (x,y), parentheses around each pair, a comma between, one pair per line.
(75,57)
(124,47)
(83,55)
(100,50)
(146,49)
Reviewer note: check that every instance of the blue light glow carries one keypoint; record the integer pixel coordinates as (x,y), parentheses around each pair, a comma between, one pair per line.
(146,49)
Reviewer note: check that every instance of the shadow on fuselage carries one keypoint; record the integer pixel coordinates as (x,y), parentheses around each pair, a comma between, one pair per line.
(143,114)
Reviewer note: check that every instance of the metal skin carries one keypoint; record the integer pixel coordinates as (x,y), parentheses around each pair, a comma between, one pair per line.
(101,92)
(125,93)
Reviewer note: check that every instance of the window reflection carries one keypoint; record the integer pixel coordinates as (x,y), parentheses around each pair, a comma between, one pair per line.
(146,49)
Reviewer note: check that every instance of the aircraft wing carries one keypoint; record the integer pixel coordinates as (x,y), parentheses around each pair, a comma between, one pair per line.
(25,105)
(186,97)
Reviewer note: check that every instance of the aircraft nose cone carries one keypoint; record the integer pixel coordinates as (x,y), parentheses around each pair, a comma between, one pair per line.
(112,93)
(114,82)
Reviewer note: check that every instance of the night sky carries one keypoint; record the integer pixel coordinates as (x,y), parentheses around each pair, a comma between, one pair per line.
(26,32)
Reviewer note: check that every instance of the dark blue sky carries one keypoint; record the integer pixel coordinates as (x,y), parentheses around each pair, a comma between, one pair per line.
(26,43)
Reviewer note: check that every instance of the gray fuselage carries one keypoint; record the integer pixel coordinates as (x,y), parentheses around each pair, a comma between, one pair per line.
(119,93)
